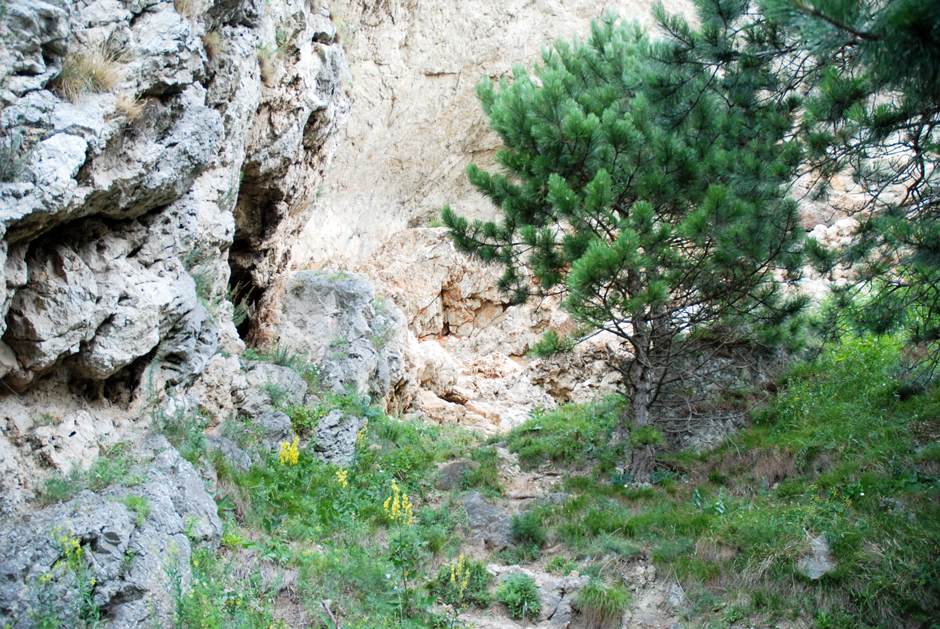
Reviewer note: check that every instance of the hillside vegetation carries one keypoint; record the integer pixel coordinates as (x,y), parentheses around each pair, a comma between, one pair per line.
(844,451)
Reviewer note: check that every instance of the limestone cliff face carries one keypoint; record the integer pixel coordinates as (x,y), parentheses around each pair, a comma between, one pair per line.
(417,124)
(153,155)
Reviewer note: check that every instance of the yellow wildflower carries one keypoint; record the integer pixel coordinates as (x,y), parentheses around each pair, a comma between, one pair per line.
(341,477)
(361,435)
(398,507)
(289,453)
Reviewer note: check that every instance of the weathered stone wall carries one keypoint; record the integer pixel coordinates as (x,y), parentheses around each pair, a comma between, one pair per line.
(131,204)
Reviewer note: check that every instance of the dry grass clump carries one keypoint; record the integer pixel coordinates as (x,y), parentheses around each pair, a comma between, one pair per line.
(268,65)
(189,8)
(94,70)
(130,106)
(212,42)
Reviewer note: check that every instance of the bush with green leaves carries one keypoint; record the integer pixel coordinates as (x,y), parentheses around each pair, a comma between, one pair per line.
(113,467)
(520,594)
(486,477)
(527,529)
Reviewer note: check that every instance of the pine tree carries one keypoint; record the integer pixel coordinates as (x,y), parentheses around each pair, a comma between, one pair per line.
(870,71)
(646,179)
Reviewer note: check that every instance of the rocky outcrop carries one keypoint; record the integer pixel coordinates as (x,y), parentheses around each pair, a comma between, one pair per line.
(453,298)
(335,437)
(183,144)
(152,155)
(335,320)
(128,546)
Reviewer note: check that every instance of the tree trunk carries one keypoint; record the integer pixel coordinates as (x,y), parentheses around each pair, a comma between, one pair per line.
(643,457)
(642,462)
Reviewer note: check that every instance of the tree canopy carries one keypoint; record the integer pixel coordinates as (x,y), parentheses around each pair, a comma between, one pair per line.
(870,72)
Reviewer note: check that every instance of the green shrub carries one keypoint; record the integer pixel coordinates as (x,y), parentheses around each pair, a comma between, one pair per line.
(646,435)
(111,468)
(601,605)
(486,477)
(185,431)
(561,565)
(528,529)
(304,419)
(519,593)
(551,344)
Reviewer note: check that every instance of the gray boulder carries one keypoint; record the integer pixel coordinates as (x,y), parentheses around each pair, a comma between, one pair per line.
(270,385)
(133,555)
(335,437)
(451,475)
(818,562)
(275,429)
(231,453)
(332,315)
(487,523)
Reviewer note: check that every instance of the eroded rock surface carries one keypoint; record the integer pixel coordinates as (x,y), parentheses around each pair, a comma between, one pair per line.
(415,65)
(133,207)
(334,319)
(133,558)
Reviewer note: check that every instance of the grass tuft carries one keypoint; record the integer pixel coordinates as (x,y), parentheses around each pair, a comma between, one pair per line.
(601,605)
(94,70)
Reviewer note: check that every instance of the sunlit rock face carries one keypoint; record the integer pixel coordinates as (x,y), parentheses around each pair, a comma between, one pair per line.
(417,123)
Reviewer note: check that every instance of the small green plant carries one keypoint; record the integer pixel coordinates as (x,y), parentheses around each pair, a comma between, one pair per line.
(463,583)
(406,550)
(112,467)
(304,419)
(185,431)
(241,304)
(61,487)
(528,529)
(519,593)
(277,393)
(601,605)
(295,360)
(486,477)
(561,565)
(646,435)
(53,608)
(140,506)
(203,272)
(551,344)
